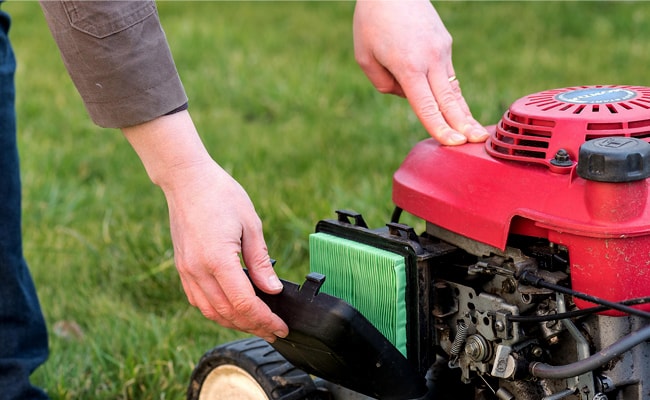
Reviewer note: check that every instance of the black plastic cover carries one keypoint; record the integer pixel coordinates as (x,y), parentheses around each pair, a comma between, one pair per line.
(332,340)
(614,159)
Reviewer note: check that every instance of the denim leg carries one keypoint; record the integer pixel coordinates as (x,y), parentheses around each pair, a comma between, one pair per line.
(23,336)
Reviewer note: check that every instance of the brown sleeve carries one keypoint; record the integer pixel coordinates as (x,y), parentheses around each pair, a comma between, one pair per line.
(118,57)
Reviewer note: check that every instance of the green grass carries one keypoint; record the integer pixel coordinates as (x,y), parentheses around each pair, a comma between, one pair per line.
(282,105)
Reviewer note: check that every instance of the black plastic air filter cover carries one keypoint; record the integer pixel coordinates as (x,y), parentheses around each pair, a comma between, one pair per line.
(330,339)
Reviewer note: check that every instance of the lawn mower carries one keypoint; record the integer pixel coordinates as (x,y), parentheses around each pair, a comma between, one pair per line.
(531,279)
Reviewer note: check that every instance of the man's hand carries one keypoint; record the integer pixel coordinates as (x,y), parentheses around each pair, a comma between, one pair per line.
(213,223)
(405,49)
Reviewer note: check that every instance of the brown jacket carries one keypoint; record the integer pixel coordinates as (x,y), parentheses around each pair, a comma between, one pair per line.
(118,57)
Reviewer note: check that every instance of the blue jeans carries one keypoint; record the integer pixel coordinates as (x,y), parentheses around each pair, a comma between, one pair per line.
(23,336)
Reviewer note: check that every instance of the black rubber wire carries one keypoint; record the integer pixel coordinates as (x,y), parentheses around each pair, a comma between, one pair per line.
(575,314)
(529,278)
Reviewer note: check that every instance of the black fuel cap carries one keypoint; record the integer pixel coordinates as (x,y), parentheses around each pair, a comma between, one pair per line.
(614,159)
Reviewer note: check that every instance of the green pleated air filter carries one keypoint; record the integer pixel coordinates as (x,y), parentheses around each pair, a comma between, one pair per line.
(371,279)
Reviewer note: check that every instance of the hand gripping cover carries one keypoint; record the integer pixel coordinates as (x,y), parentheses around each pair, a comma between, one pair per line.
(330,339)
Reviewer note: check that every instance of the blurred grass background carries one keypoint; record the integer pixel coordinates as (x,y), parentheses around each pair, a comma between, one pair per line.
(282,105)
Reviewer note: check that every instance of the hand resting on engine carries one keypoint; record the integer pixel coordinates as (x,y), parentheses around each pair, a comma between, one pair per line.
(405,49)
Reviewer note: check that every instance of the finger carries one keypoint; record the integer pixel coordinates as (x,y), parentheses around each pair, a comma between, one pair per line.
(187,288)
(256,257)
(453,107)
(248,312)
(426,107)
(455,86)
(235,306)
(241,306)
(265,278)
(198,299)
(381,78)
(225,295)
(474,131)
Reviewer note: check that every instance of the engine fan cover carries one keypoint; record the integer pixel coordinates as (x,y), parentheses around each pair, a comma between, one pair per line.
(539,125)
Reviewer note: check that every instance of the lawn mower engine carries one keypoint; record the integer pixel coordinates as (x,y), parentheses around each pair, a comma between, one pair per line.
(530,281)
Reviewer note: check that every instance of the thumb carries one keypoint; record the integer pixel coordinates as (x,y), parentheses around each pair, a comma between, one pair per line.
(256,258)
(265,278)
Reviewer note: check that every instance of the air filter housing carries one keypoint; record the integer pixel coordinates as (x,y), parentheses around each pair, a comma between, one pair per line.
(378,272)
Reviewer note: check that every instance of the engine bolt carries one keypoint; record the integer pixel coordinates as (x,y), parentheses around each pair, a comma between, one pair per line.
(499,326)
(562,159)
(537,352)
(477,348)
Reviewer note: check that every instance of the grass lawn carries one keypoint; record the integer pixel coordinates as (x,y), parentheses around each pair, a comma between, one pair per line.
(282,105)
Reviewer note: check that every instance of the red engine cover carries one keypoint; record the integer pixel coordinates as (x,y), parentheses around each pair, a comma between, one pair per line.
(513,184)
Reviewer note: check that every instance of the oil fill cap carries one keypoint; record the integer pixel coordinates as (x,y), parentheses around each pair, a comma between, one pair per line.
(614,159)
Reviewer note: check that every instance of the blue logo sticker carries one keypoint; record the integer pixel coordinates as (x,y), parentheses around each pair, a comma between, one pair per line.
(596,95)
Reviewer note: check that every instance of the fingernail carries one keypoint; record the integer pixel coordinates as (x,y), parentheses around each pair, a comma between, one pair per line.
(458,138)
(475,133)
(479,134)
(274,283)
(281,334)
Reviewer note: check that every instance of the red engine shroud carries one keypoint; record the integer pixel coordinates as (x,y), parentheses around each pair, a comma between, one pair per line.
(486,192)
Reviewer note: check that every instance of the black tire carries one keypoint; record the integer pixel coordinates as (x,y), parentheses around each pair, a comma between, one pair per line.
(248,369)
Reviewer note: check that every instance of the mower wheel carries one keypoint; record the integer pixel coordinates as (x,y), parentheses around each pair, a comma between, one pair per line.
(248,369)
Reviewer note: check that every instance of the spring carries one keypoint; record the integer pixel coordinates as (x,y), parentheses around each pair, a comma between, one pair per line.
(459,340)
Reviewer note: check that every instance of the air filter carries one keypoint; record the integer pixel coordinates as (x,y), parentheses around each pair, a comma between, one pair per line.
(371,279)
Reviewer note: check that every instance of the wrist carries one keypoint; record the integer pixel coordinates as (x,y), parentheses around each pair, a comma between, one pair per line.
(170,150)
